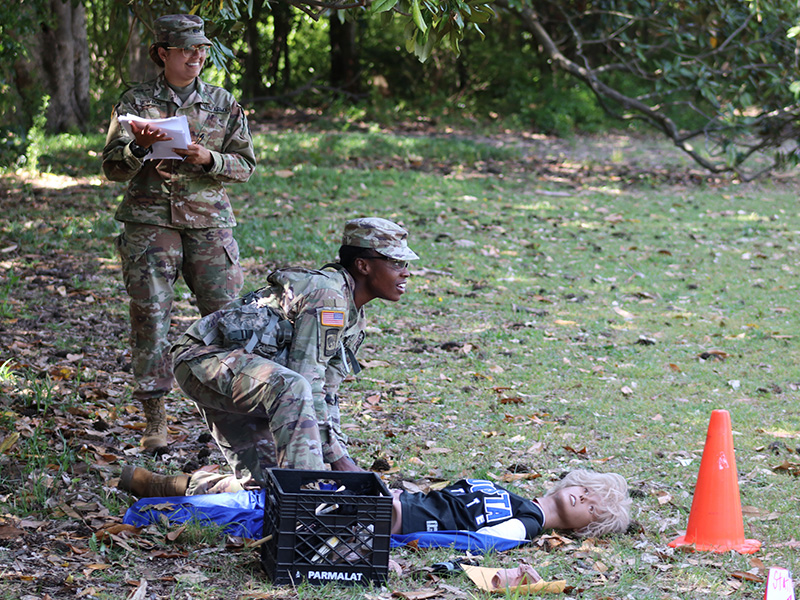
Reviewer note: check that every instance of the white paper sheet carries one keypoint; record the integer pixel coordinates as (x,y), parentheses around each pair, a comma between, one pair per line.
(175,127)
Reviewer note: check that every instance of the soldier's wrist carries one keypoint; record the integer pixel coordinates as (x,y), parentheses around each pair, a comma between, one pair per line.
(139,151)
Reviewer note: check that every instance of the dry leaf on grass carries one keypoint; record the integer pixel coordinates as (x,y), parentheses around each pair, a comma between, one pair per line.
(792,468)
(9,531)
(511,581)
(420,594)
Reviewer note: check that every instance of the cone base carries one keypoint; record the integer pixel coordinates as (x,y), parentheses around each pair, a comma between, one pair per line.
(743,547)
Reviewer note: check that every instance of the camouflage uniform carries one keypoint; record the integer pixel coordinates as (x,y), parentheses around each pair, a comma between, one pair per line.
(177,215)
(265,371)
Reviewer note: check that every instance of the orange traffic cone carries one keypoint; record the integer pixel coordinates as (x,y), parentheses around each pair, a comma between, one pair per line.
(715,521)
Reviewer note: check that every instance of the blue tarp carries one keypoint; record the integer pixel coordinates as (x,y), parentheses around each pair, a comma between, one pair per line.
(242,514)
(458,540)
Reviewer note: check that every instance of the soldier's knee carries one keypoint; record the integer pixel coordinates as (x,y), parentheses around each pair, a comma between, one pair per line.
(298,387)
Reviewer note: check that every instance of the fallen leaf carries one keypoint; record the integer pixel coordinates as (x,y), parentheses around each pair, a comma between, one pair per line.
(779,434)
(31,524)
(747,576)
(792,543)
(175,534)
(9,441)
(714,354)
(600,567)
(514,400)
(792,468)
(9,531)
(115,529)
(511,477)
(368,364)
(623,313)
(419,594)
(437,451)
(395,567)
(664,497)
(140,593)
(373,400)
(194,577)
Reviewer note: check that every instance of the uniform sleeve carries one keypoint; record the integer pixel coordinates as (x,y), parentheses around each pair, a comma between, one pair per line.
(237,159)
(315,341)
(119,163)
(335,373)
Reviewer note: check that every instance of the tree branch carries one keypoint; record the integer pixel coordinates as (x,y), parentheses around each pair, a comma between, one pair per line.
(729,144)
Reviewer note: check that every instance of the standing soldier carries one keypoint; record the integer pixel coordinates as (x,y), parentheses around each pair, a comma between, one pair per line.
(177,215)
(265,371)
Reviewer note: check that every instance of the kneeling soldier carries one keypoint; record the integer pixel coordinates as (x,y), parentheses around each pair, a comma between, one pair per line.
(264,371)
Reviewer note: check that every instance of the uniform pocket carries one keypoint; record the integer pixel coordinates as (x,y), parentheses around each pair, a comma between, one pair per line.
(235,278)
(232,250)
(131,250)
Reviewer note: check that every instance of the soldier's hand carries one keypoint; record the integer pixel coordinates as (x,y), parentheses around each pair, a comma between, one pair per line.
(346,464)
(146,135)
(195,154)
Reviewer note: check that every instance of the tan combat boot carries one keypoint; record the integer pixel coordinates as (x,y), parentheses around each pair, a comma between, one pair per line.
(144,484)
(155,434)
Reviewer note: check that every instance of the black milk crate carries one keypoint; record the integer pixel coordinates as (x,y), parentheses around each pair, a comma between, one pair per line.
(325,536)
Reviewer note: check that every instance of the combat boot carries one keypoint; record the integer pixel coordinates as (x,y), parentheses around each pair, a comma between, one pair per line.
(144,484)
(155,433)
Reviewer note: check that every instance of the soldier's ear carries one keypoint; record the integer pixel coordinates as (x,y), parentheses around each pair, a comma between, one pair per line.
(362,267)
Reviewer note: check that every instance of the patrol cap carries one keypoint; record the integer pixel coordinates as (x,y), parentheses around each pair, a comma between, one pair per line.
(180,31)
(381,235)
(177,31)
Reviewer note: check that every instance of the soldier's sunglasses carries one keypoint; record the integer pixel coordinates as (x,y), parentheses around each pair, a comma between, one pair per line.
(191,50)
(397,265)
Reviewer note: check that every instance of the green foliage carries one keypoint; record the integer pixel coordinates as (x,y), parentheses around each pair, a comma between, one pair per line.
(7,286)
(18,24)
(36,138)
(38,392)
(428,24)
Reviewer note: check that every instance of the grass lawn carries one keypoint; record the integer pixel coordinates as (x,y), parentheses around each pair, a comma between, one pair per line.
(580,303)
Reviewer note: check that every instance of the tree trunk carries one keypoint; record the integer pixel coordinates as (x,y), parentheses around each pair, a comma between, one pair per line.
(252,82)
(140,66)
(345,68)
(65,62)
(282,27)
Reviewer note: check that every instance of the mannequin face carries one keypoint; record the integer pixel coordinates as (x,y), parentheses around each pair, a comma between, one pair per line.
(575,506)
(181,70)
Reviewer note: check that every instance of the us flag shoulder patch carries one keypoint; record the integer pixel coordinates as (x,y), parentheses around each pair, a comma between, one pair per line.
(331,318)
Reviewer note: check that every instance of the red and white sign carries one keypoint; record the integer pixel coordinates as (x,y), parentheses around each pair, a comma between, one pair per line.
(779,585)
